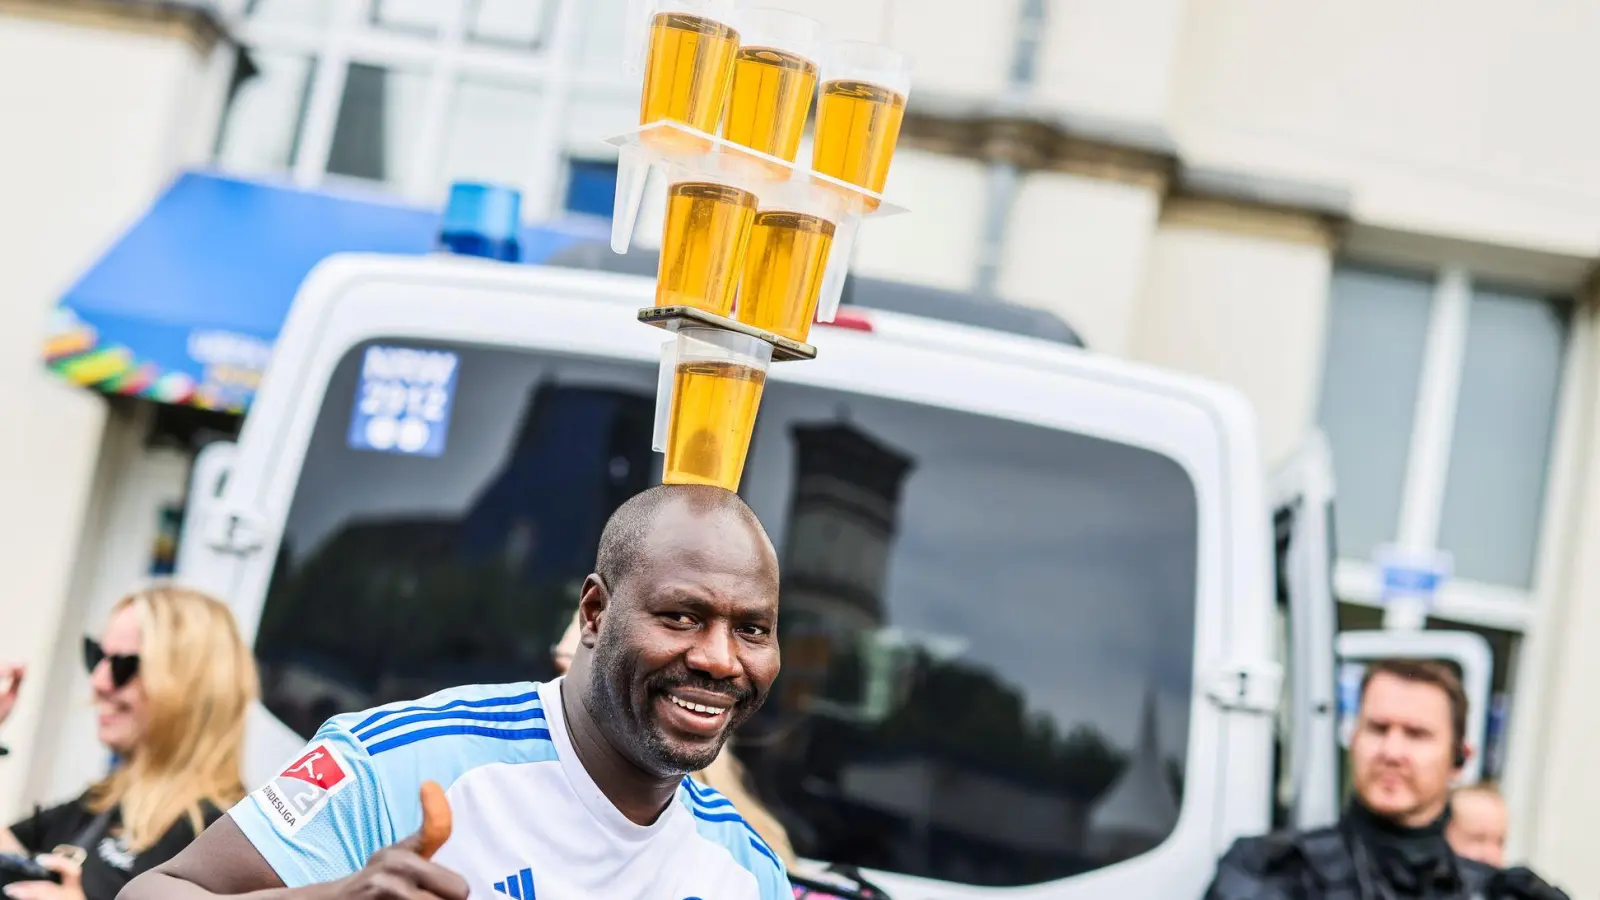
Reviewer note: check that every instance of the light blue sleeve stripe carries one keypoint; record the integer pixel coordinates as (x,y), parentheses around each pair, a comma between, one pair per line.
(335,840)
(469,697)
(381,802)
(717,821)
(495,715)
(445,754)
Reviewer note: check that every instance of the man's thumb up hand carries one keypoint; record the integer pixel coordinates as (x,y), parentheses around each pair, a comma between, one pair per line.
(404,870)
(436,820)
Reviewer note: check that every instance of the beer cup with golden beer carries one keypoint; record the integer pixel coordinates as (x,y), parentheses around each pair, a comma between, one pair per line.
(718,378)
(790,238)
(775,74)
(687,49)
(863,100)
(859,110)
(703,242)
(688,63)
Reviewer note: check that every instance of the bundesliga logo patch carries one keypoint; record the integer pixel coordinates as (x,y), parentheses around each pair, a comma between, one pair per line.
(304,788)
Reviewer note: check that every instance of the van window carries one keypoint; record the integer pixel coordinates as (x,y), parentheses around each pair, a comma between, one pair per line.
(987,626)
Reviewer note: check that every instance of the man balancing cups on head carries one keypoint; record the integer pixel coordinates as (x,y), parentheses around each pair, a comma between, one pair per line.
(568,790)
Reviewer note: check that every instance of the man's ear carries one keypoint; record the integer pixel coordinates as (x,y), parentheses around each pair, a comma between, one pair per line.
(593,599)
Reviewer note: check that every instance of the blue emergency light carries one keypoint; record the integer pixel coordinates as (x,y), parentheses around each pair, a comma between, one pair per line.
(482,220)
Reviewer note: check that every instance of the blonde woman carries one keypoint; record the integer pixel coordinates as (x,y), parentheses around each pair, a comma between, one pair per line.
(172,682)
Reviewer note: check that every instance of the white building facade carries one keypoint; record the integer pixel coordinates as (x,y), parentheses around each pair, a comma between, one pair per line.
(1368,218)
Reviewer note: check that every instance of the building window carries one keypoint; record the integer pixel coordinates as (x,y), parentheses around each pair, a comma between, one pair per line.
(262,127)
(591,187)
(1377,327)
(375,136)
(1439,399)
(1503,434)
(492,131)
(406,96)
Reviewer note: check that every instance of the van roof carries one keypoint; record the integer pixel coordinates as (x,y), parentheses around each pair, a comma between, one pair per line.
(959,307)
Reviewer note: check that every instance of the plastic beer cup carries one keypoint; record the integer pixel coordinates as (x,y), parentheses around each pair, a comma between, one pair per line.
(862,104)
(775,73)
(790,240)
(703,241)
(687,48)
(688,63)
(717,382)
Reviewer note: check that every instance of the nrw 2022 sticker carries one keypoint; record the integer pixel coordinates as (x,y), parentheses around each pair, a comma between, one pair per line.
(297,794)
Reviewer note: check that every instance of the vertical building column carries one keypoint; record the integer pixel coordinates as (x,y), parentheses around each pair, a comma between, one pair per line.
(1554,785)
(1080,233)
(85,153)
(1237,291)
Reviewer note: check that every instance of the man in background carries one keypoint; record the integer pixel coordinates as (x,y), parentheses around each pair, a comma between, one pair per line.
(1390,843)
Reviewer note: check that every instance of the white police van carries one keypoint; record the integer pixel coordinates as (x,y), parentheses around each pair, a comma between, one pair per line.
(1031,634)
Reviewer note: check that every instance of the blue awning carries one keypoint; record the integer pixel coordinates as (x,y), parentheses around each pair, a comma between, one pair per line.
(184,307)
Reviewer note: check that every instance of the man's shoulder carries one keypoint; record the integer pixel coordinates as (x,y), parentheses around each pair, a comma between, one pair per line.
(1319,849)
(1274,849)
(456,728)
(1278,861)
(716,820)
(1515,883)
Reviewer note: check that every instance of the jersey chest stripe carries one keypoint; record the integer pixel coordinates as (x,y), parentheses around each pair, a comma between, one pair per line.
(705,796)
(516,715)
(480,703)
(504,734)
(733,816)
(764,851)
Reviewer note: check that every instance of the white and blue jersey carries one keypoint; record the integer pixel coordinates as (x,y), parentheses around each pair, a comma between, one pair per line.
(529,822)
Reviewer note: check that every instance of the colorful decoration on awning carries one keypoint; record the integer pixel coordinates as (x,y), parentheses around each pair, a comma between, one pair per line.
(221,371)
(185,306)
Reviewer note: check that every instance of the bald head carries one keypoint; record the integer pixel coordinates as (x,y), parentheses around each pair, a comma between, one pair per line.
(629,531)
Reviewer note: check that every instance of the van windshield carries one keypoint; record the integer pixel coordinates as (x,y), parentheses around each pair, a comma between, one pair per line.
(987,625)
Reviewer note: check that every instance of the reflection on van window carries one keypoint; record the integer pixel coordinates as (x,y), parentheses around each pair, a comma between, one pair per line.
(400,575)
(987,626)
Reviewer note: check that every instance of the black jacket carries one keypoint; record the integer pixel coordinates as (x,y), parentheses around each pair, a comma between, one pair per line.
(1323,865)
(109,864)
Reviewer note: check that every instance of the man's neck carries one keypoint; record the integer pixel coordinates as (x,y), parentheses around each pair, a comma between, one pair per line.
(639,795)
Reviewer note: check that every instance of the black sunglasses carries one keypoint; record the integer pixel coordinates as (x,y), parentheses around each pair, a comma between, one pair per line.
(123,668)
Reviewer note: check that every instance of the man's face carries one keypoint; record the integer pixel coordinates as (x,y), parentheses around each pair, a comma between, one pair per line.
(1477,827)
(687,646)
(1402,750)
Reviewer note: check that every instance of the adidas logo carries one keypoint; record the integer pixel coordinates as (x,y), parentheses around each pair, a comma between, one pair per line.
(518,885)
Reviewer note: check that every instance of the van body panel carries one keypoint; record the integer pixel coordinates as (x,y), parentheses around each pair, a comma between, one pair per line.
(905,367)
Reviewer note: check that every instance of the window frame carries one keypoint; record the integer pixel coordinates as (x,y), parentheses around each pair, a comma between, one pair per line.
(1427,471)
(444,59)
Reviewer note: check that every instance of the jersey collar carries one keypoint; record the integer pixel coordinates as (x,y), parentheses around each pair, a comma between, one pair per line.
(589,793)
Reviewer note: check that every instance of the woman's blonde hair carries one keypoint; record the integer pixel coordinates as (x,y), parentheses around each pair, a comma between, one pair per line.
(200,679)
(726,776)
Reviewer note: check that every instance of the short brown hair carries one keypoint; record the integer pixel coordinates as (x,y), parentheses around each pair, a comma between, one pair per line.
(1427,671)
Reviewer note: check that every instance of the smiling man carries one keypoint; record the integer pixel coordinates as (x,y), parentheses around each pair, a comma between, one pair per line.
(569,790)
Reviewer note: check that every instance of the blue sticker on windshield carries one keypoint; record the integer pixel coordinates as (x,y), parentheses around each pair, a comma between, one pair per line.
(403,401)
